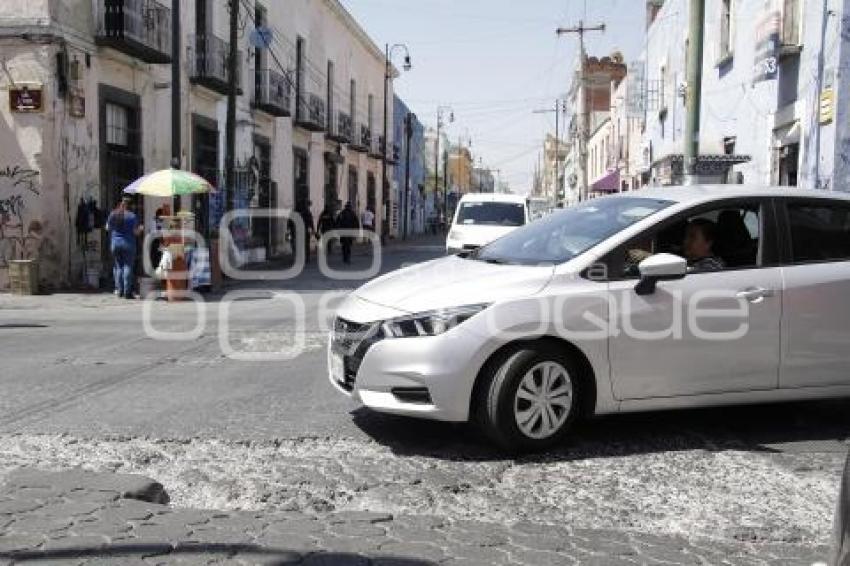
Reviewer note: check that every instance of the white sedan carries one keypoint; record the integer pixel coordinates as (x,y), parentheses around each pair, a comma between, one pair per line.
(657,299)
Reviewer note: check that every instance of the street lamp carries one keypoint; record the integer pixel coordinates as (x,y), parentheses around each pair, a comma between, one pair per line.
(388,54)
(440,110)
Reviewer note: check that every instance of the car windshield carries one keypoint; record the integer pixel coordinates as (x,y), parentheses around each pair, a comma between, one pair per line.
(562,236)
(491,213)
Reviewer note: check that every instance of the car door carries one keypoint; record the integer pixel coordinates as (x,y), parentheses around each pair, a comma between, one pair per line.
(709,332)
(816,312)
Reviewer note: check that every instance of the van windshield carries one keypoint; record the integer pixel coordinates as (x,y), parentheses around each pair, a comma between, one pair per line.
(491,213)
(563,235)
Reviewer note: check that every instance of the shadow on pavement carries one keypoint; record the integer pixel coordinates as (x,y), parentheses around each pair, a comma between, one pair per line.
(122,553)
(821,426)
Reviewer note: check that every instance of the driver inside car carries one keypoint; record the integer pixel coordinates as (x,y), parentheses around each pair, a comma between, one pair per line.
(697,247)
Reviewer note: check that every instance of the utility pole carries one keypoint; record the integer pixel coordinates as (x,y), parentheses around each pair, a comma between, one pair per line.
(440,110)
(584,109)
(388,68)
(230,137)
(408,134)
(692,126)
(557,111)
(176,112)
(175,85)
(384,189)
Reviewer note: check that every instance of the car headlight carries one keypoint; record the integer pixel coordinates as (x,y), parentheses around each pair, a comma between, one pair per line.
(430,323)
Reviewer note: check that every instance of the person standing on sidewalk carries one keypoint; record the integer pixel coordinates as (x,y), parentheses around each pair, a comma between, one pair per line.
(123,227)
(347,220)
(326,223)
(368,219)
(306,216)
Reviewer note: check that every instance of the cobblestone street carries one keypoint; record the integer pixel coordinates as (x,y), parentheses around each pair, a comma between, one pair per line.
(81,518)
(262,462)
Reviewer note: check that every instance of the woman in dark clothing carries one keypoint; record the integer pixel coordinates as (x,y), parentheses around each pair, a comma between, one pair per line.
(347,220)
(327,223)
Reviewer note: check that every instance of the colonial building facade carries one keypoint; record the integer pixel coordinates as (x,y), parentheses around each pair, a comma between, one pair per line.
(85,108)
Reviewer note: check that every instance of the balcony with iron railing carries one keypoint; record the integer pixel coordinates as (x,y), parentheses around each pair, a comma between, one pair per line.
(208,63)
(378,149)
(341,128)
(139,28)
(272,93)
(395,154)
(362,139)
(311,114)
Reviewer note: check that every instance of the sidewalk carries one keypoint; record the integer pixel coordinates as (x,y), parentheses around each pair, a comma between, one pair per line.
(77,517)
(394,256)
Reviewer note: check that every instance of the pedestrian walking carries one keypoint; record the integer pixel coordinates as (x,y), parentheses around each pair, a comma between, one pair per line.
(325,225)
(305,213)
(123,227)
(368,219)
(347,220)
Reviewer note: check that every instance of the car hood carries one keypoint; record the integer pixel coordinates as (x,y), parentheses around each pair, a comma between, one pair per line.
(453,281)
(480,235)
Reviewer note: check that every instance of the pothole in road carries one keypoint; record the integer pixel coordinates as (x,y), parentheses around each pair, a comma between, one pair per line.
(694,493)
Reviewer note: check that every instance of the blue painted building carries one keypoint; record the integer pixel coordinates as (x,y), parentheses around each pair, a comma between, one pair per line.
(417,211)
(774,93)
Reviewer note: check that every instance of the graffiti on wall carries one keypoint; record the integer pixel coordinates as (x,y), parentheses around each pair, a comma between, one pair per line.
(21,235)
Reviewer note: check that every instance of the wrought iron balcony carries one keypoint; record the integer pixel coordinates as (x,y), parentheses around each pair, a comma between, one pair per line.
(139,28)
(379,148)
(362,138)
(342,128)
(272,93)
(208,63)
(311,113)
(395,155)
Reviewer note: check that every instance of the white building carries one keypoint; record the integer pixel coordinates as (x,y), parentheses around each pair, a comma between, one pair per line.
(85,108)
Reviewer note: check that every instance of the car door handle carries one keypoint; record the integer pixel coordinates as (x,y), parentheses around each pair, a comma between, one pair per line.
(755,294)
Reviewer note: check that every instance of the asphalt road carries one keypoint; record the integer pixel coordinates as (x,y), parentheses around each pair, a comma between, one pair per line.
(82,383)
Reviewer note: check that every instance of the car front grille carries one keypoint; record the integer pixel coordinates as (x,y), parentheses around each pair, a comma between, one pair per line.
(352,340)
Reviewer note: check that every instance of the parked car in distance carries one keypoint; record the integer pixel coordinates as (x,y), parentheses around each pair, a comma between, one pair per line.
(662,298)
(481,218)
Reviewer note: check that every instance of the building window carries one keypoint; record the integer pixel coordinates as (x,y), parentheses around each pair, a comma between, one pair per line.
(791,23)
(117,125)
(725,28)
(370,109)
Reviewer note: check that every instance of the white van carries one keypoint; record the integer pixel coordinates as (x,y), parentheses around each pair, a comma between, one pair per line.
(481,218)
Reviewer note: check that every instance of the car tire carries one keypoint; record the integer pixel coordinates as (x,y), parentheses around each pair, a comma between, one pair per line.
(512,392)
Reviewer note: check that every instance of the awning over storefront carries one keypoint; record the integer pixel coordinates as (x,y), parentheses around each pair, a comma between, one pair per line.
(608,183)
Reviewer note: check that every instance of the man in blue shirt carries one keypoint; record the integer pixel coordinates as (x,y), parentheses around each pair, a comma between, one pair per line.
(123,227)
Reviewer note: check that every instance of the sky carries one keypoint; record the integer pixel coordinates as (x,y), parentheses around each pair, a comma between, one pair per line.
(495,62)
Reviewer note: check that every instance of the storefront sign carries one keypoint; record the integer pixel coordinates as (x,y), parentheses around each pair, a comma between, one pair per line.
(77,104)
(25,99)
(768,28)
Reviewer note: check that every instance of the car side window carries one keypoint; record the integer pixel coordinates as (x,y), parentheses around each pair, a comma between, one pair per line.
(820,232)
(725,238)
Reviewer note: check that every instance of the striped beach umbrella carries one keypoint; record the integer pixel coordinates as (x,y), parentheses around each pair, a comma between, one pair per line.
(169,183)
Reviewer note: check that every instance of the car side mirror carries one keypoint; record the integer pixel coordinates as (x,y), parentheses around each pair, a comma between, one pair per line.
(660,267)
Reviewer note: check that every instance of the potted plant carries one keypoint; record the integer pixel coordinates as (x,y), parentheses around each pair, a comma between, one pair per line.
(23,267)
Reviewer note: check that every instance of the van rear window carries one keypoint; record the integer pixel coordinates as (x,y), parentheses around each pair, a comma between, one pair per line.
(491,213)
